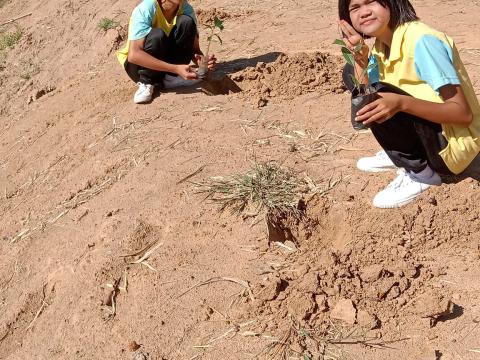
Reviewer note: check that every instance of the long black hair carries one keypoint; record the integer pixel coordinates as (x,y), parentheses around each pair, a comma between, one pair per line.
(401,11)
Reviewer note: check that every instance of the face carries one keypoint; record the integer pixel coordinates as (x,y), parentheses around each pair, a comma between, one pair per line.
(369,17)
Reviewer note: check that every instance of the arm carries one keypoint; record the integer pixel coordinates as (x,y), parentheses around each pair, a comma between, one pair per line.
(434,65)
(455,110)
(352,38)
(136,55)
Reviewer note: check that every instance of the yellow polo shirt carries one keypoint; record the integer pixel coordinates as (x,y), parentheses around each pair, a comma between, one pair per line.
(148,15)
(421,61)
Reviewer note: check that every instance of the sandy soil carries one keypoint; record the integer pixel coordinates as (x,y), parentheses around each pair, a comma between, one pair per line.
(90,182)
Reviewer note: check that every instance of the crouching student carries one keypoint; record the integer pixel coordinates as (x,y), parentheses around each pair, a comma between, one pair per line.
(427,116)
(162,41)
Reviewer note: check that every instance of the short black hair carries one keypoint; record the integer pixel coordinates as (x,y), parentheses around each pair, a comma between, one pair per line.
(401,11)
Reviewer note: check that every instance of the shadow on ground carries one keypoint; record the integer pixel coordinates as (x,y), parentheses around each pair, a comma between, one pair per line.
(219,83)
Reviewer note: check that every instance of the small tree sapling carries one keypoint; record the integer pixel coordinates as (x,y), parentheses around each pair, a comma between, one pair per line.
(215,28)
(362,94)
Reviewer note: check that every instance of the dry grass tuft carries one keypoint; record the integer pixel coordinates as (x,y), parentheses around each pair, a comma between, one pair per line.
(267,187)
(9,39)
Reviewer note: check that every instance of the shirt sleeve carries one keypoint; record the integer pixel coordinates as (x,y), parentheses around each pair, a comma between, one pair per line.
(188,10)
(142,20)
(434,62)
(373,70)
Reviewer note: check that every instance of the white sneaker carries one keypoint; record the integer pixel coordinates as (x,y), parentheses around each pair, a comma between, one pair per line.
(171,82)
(143,94)
(377,163)
(403,190)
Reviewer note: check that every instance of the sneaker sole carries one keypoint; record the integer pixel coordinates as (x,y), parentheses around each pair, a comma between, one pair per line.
(398,205)
(376,170)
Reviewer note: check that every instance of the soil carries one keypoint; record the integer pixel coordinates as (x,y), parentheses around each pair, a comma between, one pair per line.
(108,251)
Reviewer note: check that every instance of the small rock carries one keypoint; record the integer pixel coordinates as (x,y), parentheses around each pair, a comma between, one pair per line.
(139,356)
(371,273)
(345,311)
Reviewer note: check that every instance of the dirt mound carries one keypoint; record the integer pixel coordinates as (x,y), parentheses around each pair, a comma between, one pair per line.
(290,76)
(355,275)
(206,16)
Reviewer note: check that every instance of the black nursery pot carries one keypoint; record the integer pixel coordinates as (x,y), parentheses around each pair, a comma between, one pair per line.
(359,100)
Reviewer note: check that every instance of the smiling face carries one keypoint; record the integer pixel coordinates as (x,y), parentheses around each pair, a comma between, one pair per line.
(369,17)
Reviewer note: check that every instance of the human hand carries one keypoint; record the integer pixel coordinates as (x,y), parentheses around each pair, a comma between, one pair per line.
(185,72)
(212,62)
(352,38)
(380,110)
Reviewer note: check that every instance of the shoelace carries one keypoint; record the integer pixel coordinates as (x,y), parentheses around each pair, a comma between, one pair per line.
(142,86)
(401,180)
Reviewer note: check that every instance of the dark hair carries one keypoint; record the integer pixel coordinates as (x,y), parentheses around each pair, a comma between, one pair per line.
(401,11)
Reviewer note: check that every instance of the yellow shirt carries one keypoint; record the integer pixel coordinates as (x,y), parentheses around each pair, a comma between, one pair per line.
(401,69)
(148,15)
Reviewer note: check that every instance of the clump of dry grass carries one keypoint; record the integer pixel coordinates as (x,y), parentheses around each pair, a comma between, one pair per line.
(266,187)
(9,39)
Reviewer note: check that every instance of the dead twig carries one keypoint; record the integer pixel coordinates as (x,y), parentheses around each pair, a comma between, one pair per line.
(15,19)
(218,279)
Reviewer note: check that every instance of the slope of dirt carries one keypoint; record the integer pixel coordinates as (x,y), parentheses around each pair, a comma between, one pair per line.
(107,250)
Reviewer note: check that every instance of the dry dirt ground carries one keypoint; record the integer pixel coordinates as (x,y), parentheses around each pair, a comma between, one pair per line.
(107,251)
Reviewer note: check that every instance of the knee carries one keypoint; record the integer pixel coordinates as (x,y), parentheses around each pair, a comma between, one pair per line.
(186,24)
(155,39)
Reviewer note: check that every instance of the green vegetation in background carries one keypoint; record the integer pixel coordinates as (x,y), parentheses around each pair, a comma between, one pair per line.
(106,23)
(9,39)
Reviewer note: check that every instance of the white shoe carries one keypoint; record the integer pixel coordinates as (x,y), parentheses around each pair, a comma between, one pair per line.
(143,94)
(377,163)
(170,82)
(403,190)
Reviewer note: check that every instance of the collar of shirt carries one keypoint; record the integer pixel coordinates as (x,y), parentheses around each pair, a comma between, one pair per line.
(396,48)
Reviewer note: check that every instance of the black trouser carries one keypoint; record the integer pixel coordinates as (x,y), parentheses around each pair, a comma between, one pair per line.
(409,141)
(177,48)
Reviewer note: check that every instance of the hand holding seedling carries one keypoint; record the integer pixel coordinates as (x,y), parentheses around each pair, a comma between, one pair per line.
(354,41)
(185,72)
(212,61)
(381,109)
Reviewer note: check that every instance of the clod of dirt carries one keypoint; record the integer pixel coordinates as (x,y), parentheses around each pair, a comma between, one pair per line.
(433,306)
(301,305)
(371,273)
(345,311)
(133,346)
(290,76)
(271,289)
(366,320)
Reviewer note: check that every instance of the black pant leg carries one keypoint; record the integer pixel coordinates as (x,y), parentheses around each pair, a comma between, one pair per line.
(157,44)
(183,37)
(409,141)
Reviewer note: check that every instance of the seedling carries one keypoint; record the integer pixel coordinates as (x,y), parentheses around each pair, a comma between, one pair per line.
(106,24)
(362,94)
(215,29)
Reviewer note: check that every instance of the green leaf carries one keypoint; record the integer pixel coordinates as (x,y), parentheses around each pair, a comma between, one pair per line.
(218,23)
(358,48)
(306,357)
(347,54)
(340,42)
